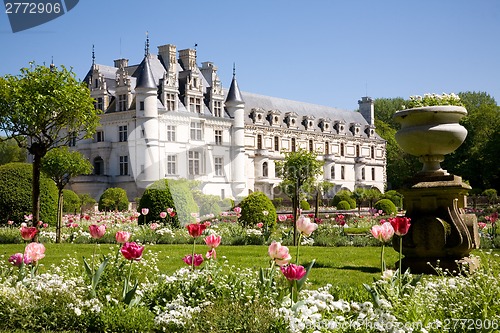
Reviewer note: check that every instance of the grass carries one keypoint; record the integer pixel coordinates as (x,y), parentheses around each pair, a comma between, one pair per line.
(339,266)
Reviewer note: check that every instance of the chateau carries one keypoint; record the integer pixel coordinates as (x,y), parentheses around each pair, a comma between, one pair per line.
(169,118)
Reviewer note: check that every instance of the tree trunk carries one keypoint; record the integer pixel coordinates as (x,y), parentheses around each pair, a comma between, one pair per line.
(59,215)
(35,193)
(316,205)
(294,209)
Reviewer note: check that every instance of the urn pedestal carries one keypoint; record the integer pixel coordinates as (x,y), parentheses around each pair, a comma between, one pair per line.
(441,233)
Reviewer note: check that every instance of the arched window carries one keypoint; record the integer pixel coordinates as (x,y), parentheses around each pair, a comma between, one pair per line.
(265,171)
(98,166)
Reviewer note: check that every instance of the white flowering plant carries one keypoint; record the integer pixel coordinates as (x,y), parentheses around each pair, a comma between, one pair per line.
(432,100)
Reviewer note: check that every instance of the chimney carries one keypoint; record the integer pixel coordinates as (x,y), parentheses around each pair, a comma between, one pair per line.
(367,110)
(188,59)
(168,54)
(121,63)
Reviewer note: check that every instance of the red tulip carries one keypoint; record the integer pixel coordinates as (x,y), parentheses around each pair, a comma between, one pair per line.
(196,229)
(132,251)
(400,225)
(198,260)
(97,231)
(28,233)
(293,272)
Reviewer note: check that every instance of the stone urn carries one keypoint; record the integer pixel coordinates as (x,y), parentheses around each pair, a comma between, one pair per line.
(441,233)
(431,132)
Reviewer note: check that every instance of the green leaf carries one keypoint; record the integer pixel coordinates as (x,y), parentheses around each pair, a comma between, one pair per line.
(300,283)
(100,270)
(87,269)
(129,296)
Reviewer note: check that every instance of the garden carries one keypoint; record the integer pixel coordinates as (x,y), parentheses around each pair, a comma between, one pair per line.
(236,271)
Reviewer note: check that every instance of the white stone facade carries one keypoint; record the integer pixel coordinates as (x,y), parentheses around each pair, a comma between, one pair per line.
(169,118)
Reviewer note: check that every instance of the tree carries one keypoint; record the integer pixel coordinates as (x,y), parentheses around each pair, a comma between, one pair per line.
(298,171)
(10,152)
(359,196)
(372,195)
(50,108)
(61,165)
(86,202)
(114,198)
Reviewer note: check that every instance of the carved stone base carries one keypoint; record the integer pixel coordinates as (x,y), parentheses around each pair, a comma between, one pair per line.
(440,230)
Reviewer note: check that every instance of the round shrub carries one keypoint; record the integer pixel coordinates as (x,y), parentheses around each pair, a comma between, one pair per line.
(395,197)
(387,206)
(113,199)
(15,194)
(253,209)
(71,202)
(343,205)
(167,193)
(344,195)
(304,205)
(209,204)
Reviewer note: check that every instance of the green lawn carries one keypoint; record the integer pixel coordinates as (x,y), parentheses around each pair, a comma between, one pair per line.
(339,266)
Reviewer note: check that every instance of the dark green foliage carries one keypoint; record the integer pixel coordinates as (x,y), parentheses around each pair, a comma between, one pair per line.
(387,206)
(209,204)
(304,205)
(277,202)
(166,193)
(344,195)
(395,197)
(15,194)
(71,202)
(253,208)
(343,205)
(11,152)
(114,199)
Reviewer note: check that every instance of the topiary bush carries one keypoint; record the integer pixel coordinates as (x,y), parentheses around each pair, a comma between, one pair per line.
(113,199)
(15,194)
(253,209)
(168,193)
(395,197)
(71,202)
(343,205)
(387,206)
(344,195)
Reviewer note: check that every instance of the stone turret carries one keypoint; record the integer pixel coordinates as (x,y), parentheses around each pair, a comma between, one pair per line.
(367,109)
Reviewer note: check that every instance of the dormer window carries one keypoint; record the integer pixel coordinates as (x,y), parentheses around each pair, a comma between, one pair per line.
(308,122)
(291,119)
(355,129)
(339,126)
(273,116)
(324,124)
(257,114)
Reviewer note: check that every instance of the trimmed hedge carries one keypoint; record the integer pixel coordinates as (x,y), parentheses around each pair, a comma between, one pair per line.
(168,193)
(343,205)
(253,208)
(16,192)
(71,202)
(344,195)
(387,206)
(114,198)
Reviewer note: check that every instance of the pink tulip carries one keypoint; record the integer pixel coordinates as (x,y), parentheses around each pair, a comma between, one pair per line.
(211,254)
(97,231)
(401,225)
(45,225)
(305,226)
(293,272)
(10,222)
(132,251)
(172,214)
(145,211)
(34,251)
(28,217)
(198,260)
(279,253)
(237,210)
(28,233)
(122,237)
(260,225)
(383,232)
(481,225)
(213,241)
(39,223)
(282,218)
(154,226)
(170,210)
(163,215)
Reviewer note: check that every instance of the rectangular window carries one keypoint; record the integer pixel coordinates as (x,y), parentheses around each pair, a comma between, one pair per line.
(194,163)
(195,104)
(99,136)
(363,176)
(124,165)
(276,143)
(293,144)
(218,137)
(122,133)
(373,173)
(259,141)
(217,109)
(171,164)
(122,103)
(170,133)
(219,166)
(196,131)
(141,105)
(99,104)
(72,140)
(170,102)
(342,172)
(327,148)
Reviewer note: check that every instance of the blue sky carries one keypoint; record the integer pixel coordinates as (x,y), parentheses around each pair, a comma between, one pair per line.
(320,51)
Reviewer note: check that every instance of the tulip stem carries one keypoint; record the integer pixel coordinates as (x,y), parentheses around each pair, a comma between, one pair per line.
(298,247)
(192,256)
(400,260)
(382,263)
